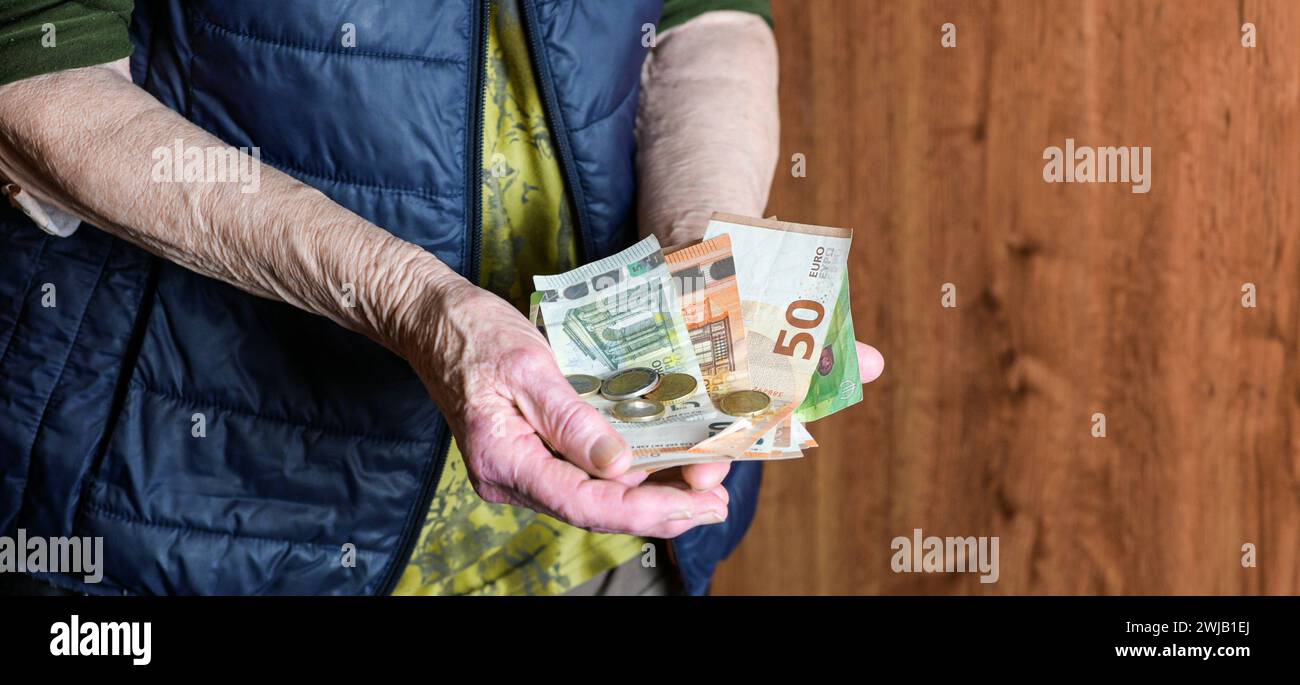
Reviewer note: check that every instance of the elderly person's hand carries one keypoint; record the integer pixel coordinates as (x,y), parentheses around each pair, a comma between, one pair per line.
(495,379)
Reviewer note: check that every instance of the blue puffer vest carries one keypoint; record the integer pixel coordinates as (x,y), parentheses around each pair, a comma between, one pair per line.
(315,437)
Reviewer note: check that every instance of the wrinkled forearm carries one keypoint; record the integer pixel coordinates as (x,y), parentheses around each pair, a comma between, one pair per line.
(83,140)
(708,126)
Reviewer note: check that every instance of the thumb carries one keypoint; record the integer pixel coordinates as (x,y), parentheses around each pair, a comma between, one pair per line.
(574,428)
(870,362)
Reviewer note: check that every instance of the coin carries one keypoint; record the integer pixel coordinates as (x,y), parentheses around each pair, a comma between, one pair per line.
(630,383)
(673,386)
(744,402)
(584,385)
(638,411)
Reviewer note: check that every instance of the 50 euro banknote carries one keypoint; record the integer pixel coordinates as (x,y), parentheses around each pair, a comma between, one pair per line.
(789,278)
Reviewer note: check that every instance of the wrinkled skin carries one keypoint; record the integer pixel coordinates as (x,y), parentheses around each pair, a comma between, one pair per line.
(504,398)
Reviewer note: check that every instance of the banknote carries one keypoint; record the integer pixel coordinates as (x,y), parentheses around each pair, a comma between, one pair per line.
(836,384)
(787,440)
(535,311)
(789,277)
(789,435)
(616,313)
(670,459)
(705,277)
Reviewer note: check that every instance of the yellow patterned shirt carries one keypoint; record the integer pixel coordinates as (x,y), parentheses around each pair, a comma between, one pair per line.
(468,546)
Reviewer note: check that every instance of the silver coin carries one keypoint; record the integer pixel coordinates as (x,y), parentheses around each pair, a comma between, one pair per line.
(638,411)
(584,385)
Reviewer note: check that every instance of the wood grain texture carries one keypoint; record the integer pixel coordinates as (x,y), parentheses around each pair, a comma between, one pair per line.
(1072,298)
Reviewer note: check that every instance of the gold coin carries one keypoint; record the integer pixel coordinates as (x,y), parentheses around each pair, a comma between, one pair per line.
(630,383)
(638,411)
(584,385)
(672,387)
(744,402)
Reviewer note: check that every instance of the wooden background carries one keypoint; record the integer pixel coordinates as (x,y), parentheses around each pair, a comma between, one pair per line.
(1072,298)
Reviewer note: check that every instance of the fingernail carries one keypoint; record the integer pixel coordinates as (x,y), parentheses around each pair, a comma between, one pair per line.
(711,517)
(680,516)
(605,451)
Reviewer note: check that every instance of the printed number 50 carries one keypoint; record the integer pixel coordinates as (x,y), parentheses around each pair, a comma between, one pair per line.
(804,338)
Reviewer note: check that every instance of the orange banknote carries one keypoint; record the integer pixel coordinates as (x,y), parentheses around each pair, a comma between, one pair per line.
(705,276)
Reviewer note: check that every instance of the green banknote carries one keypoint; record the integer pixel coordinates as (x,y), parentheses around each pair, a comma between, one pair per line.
(617,313)
(836,383)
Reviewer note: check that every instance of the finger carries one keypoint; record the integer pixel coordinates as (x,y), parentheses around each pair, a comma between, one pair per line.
(567,423)
(673,477)
(633,477)
(705,476)
(721,493)
(560,488)
(870,363)
(702,477)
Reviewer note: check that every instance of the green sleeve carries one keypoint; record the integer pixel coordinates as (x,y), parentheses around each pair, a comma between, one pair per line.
(84,34)
(678,12)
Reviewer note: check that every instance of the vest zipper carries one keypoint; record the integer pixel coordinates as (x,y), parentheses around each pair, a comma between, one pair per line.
(480,11)
(474,174)
(559,134)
